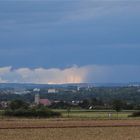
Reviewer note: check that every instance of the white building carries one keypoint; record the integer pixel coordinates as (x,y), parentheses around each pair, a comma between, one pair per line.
(4,104)
(52,91)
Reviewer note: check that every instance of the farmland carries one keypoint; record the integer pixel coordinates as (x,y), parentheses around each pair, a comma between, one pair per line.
(95,114)
(69,129)
(111,133)
(80,125)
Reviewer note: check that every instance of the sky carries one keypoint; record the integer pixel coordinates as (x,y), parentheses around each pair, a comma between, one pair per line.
(69,41)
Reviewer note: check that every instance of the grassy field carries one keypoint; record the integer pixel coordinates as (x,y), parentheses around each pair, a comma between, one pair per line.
(101,114)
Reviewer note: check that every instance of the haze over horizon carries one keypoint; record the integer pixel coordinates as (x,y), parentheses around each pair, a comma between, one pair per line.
(60,41)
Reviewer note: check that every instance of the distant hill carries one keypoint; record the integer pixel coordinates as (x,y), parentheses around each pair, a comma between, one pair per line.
(31,86)
(22,86)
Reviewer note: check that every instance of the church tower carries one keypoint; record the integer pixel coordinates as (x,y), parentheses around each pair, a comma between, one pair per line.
(37,98)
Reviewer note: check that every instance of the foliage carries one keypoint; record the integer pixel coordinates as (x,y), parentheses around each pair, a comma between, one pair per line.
(60,105)
(85,104)
(135,114)
(117,105)
(20,108)
(18,104)
(93,102)
(32,113)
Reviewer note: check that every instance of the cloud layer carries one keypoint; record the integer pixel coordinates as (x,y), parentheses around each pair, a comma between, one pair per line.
(74,74)
(43,76)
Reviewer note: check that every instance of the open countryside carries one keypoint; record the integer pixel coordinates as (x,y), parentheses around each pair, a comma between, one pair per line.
(69,129)
(69,70)
(73,125)
(51,114)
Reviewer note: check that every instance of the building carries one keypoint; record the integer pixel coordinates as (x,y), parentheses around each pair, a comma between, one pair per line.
(4,104)
(44,102)
(52,90)
(38,101)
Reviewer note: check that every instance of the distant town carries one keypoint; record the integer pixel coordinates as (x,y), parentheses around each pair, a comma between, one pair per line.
(84,96)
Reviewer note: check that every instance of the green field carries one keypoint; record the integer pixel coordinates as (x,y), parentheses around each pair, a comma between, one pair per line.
(95,114)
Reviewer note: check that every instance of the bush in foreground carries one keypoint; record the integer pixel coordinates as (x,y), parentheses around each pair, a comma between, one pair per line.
(135,114)
(40,113)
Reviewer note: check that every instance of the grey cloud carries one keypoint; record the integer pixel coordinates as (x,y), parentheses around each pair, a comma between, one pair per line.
(39,13)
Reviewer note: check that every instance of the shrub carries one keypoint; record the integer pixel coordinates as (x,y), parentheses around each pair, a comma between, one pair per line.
(18,104)
(135,114)
(41,113)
